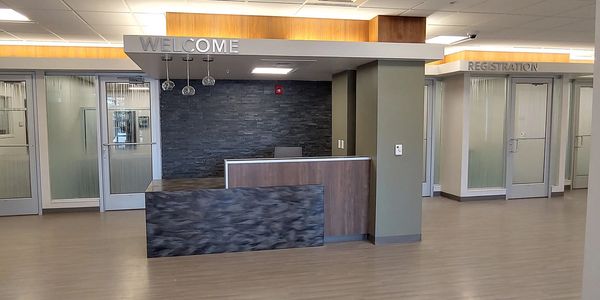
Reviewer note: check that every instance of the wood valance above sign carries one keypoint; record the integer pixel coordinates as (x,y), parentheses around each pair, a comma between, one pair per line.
(393,29)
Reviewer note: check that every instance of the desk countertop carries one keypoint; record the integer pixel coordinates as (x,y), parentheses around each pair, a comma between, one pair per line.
(187,184)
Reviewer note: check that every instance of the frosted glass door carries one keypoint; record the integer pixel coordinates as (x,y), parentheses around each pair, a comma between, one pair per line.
(72,103)
(127,144)
(528,144)
(583,136)
(17,160)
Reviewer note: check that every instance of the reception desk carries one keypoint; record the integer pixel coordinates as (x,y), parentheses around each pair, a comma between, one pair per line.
(345,180)
(261,204)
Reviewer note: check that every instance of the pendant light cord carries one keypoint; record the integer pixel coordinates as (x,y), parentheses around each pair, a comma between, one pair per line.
(208,66)
(167,63)
(188,71)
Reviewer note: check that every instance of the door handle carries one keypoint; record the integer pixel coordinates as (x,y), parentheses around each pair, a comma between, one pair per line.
(579,141)
(514,145)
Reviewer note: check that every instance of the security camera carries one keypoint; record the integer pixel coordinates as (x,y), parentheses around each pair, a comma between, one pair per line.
(472,36)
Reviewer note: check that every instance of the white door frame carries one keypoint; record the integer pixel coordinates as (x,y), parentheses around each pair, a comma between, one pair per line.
(577,85)
(135,200)
(516,191)
(26,206)
(427,186)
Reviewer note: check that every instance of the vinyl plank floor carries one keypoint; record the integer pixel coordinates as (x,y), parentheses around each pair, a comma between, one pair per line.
(518,249)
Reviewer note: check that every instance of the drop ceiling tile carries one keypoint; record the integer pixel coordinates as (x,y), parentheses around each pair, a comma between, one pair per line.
(23,28)
(500,6)
(437,30)
(116,29)
(588,12)
(585,25)
(151,19)
(548,23)
(36,4)
(448,5)
(319,11)
(5,36)
(504,21)
(463,19)
(161,6)
(114,38)
(418,13)
(29,36)
(278,1)
(394,4)
(46,17)
(551,7)
(98,5)
(83,38)
(108,18)
(243,8)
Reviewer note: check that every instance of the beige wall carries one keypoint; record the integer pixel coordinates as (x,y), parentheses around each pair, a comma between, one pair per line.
(451,155)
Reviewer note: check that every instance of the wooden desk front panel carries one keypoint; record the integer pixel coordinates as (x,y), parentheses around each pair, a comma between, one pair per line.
(346,186)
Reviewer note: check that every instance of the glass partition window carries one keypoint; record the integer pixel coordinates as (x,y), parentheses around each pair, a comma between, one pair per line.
(72,103)
(129,137)
(487,115)
(15,180)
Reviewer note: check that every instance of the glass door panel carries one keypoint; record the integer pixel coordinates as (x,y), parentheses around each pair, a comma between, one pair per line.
(17,164)
(583,135)
(72,103)
(528,141)
(127,144)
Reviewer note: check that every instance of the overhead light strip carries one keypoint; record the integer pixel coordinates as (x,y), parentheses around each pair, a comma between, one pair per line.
(7,14)
(272,71)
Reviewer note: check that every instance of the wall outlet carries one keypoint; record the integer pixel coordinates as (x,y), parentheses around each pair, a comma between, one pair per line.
(398,150)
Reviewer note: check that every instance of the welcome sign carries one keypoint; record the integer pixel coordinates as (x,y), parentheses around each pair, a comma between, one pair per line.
(157,44)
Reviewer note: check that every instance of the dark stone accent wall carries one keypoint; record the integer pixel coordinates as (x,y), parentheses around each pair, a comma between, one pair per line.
(232,220)
(241,119)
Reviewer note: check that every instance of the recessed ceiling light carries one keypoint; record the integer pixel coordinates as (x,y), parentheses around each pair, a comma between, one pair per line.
(276,71)
(447,39)
(7,14)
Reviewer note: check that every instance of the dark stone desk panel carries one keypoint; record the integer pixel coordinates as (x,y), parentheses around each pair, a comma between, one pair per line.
(232,220)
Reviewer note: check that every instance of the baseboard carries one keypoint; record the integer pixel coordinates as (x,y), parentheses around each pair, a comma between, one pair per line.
(345,238)
(473,198)
(395,239)
(557,194)
(70,210)
(567,187)
(437,194)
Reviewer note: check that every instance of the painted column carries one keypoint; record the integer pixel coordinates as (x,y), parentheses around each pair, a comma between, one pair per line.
(389,111)
(343,114)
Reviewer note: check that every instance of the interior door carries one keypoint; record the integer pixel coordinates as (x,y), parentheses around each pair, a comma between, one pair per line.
(127,142)
(18,188)
(529,138)
(583,134)
(427,186)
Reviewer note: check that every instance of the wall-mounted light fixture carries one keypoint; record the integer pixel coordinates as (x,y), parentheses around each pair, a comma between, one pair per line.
(188,90)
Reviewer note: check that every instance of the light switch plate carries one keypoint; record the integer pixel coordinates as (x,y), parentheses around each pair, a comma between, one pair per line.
(399,150)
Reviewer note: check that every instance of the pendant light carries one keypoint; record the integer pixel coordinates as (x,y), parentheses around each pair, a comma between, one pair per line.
(208,80)
(188,90)
(167,85)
